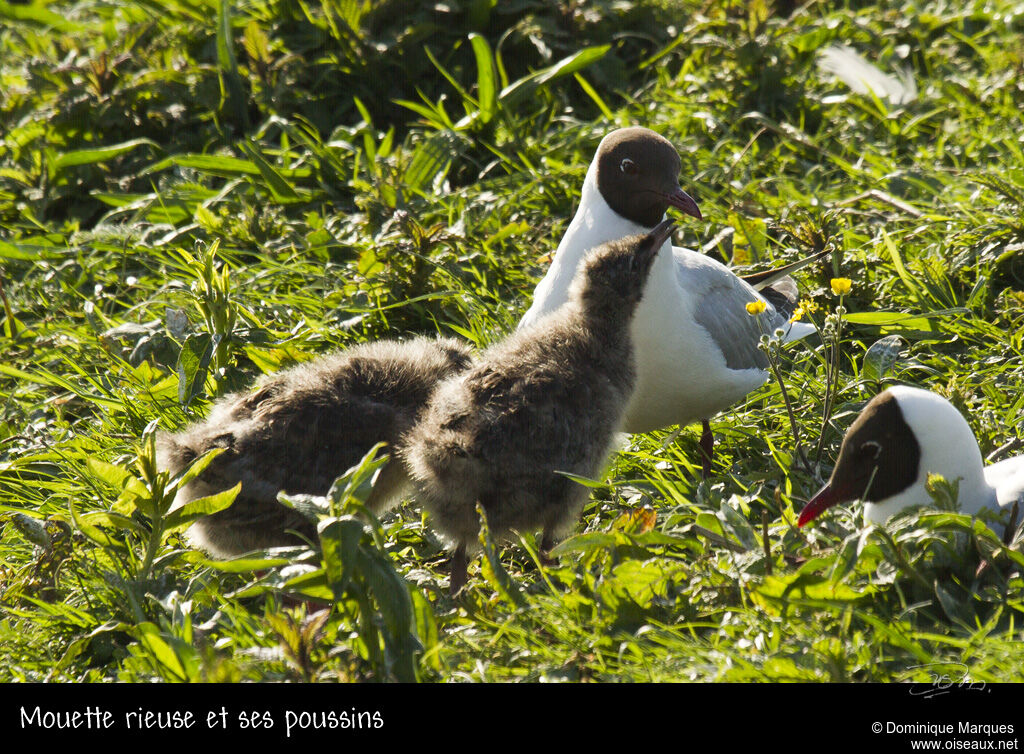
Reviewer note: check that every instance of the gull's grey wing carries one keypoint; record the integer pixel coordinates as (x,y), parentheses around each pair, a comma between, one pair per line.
(720,299)
(782,294)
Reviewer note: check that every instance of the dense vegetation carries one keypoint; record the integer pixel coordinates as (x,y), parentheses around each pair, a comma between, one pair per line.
(196,192)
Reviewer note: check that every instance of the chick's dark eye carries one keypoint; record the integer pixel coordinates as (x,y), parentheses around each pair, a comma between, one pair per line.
(628,167)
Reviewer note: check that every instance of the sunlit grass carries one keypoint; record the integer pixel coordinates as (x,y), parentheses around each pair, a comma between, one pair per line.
(188,203)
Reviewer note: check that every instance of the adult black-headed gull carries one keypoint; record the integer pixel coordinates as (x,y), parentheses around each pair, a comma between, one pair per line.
(696,345)
(546,399)
(901,436)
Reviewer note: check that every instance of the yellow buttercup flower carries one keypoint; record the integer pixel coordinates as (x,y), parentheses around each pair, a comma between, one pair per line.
(756,307)
(805,306)
(841,286)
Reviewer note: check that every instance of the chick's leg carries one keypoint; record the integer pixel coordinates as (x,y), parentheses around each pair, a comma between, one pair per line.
(458,570)
(547,543)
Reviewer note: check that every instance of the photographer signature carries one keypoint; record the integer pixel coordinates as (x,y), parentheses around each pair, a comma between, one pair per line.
(945,677)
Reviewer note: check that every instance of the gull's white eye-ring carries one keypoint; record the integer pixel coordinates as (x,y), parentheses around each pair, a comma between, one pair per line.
(628,167)
(875,448)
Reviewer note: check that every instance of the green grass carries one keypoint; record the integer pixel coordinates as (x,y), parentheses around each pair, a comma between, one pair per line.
(195,196)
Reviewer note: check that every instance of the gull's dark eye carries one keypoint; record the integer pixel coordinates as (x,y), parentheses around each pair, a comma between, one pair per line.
(871,450)
(628,167)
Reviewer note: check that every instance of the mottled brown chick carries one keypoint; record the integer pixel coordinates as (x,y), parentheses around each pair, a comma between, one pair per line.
(299,429)
(549,398)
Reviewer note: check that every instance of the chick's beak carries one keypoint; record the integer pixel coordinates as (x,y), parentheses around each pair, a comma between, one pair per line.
(661,233)
(651,244)
(684,203)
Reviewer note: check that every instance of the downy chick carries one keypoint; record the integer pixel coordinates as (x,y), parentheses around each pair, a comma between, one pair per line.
(299,429)
(549,398)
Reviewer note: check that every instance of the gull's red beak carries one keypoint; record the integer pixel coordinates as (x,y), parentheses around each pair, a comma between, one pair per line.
(684,203)
(821,502)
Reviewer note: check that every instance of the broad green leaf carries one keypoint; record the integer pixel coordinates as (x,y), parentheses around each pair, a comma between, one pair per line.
(162,652)
(901,320)
(740,527)
(312,507)
(710,522)
(193,363)
(492,568)
(99,154)
(587,543)
(897,262)
(749,244)
(847,557)
(642,580)
(881,356)
(200,507)
(431,159)
(45,377)
(246,564)
(197,467)
(228,65)
(595,97)
(658,538)
(221,165)
(426,629)
(114,520)
(279,187)
(895,636)
(636,521)
(486,78)
(113,475)
(339,542)
(37,13)
(955,603)
(312,585)
(389,590)
(591,483)
(809,587)
(356,483)
(25,251)
(518,90)
(94,533)
(135,496)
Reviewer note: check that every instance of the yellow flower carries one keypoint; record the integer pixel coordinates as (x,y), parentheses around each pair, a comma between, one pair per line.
(805,306)
(756,307)
(841,286)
